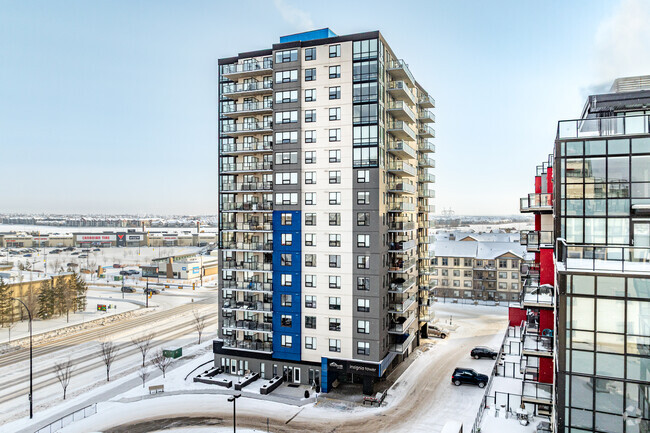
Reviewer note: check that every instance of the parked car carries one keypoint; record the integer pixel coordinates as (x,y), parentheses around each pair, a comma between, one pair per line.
(76,253)
(127,289)
(133,272)
(85,250)
(117,265)
(27,255)
(467,375)
(124,272)
(96,249)
(83,256)
(152,291)
(483,352)
(434,331)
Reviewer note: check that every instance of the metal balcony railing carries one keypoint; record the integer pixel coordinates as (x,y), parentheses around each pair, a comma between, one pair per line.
(602,258)
(247,325)
(246,166)
(246,266)
(232,88)
(243,127)
(231,304)
(251,146)
(536,202)
(237,68)
(246,107)
(247,286)
(247,206)
(246,226)
(249,345)
(401,226)
(603,127)
(247,186)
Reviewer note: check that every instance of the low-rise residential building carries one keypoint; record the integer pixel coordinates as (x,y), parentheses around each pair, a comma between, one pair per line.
(182,266)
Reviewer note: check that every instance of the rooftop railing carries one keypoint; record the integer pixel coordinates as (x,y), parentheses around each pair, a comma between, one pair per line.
(602,258)
(603,127)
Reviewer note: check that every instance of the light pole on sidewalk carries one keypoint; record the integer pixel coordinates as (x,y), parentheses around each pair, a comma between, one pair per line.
(234,411)
(31,376)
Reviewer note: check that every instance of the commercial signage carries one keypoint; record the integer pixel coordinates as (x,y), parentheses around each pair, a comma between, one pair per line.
(342,366)
(170,238)
(135,237)
(95,238)
(101,307)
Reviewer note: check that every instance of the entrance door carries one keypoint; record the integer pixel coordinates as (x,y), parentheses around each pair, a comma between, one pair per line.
(296,375)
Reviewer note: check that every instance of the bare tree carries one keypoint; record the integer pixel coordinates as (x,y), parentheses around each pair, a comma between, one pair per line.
(161,361)
(108,352)
(144,374)
(63,372)
(143,343)
(199,323)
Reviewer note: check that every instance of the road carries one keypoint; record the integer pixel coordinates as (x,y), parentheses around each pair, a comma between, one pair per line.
(422,400)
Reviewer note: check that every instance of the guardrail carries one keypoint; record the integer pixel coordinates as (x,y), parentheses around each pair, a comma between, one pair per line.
(603,258)
(68,419)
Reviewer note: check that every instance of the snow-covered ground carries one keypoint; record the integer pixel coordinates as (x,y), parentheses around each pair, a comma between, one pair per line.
(65,229)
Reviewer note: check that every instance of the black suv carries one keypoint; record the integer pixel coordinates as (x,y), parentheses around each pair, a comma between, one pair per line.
(483,352)
(128,289)
(467,375)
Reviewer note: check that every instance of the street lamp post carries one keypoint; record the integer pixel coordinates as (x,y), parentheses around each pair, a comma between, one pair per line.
(31,376)
(234,411)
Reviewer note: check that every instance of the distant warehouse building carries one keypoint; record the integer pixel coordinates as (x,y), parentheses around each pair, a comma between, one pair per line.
(182,266)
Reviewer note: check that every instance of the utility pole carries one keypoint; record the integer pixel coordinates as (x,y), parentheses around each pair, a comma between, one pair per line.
(31,370)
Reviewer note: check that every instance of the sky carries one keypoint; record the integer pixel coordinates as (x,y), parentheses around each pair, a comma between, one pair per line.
(111,106)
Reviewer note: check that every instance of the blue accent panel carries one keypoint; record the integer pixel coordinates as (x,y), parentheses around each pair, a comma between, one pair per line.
(294,290)
(323,374)
(308,36)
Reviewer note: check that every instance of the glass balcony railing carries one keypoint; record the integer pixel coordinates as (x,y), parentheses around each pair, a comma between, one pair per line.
(401,286)
(401,306)
(602,258)
(401,226)
(231,304)
(247,286)
(400,265)
(426,131)
(426,101)
(427,178)
(401,91)
(401,148)
(252,87)
(246,226)
(247,166)
(426,208)
(240,265)
(603,127)
(537,344)
(542,392)
(402,245)
(246,246)
(247,206)
(239,68)
(400,70)
(246,127)
(401,129)
(400,348)
(247,325)
(402,187)
(533,239)
(247,186)
(401,325)
(536,203)
(426,147)
(535,295)
(401,207)
(401,167)
(424,161)
(248,345)
(426,193)
(246,107)
(426,116)
(249,146)
(401,110)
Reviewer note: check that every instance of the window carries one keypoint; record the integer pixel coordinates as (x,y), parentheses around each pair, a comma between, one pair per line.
(285,320)
(467,262)
(310,343)
(335,114)
(286,198)
(363,197)
(310,116)
(335,155)
(467,283)
(363,262)
(364,92)
(335,134)
(286,137)
(363,241)
(363,348)
(456,262)
(310,136)
(335,71)
(363,326)
(503,286)
(286,219)
(503,275)
(286,56)
(286,238)
(335,324)
(363,176)
(310,54)
(310,198)
(310,95)
(310,260)
(335,261)
(310,157)
(286,280)
(310,177)
(364,71)
(362,50)
(363,305)
(365,157)
(335,240)
(503,263)
(310,240)
(335,92)
(286,76)
(310,322)
(310,280)
(335,345)
(335,176)
(456,283)
(310,301)
(515,286)
(363,114)
(335,198)
(286,117)
(310,219)
(285,259)
(286,96)
(363,218)
(363,283)
(287,340)
(335,219)
(335,280)
(365,135)
(286,178)
(334,303)
(286,158)
(335,51)
(310,74)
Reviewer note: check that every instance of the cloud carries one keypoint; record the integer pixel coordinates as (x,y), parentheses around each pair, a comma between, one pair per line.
(294,16)
(623,42)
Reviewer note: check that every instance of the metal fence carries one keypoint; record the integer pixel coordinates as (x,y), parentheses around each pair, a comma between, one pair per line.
(68,419)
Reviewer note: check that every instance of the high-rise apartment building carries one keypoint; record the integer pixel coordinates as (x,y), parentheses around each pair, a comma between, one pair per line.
(324,208)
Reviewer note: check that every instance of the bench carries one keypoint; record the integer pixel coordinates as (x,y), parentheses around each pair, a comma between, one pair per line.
(374,399)
(155,389)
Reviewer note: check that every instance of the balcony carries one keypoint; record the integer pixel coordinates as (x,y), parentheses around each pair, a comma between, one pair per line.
(603,127)
(600,258)
(426,208)
(401,325)
(426,101)
(426,193)
(247,147)
(534,239)
(235,129)
(399,70)
(401,188)
(535,296)
(401,348)
(247,186)
(402,245)
(426,116)
(426,131)
(427,224)
(245,226)
(425,161)
(401,149)
(253,346)
(248,69)
(399,307)
(250,306)
(234,265)
(401,130)
(400,265)
(537,203)
(425,147)
(246,166)
(399,285)
(426,240)
(247,108)
(400,91)
(241,90)
(400,206)
(427,178)
(401,168)
(247,206)
(537,345)
(426,254)
(401,111)
(247,325)
(246,246)
(247,286)
(397,226)
(534,392)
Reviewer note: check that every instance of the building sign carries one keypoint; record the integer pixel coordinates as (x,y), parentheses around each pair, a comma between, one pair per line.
(342,366)
(170,238)
(95,238)
(135,237)
(101,307)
